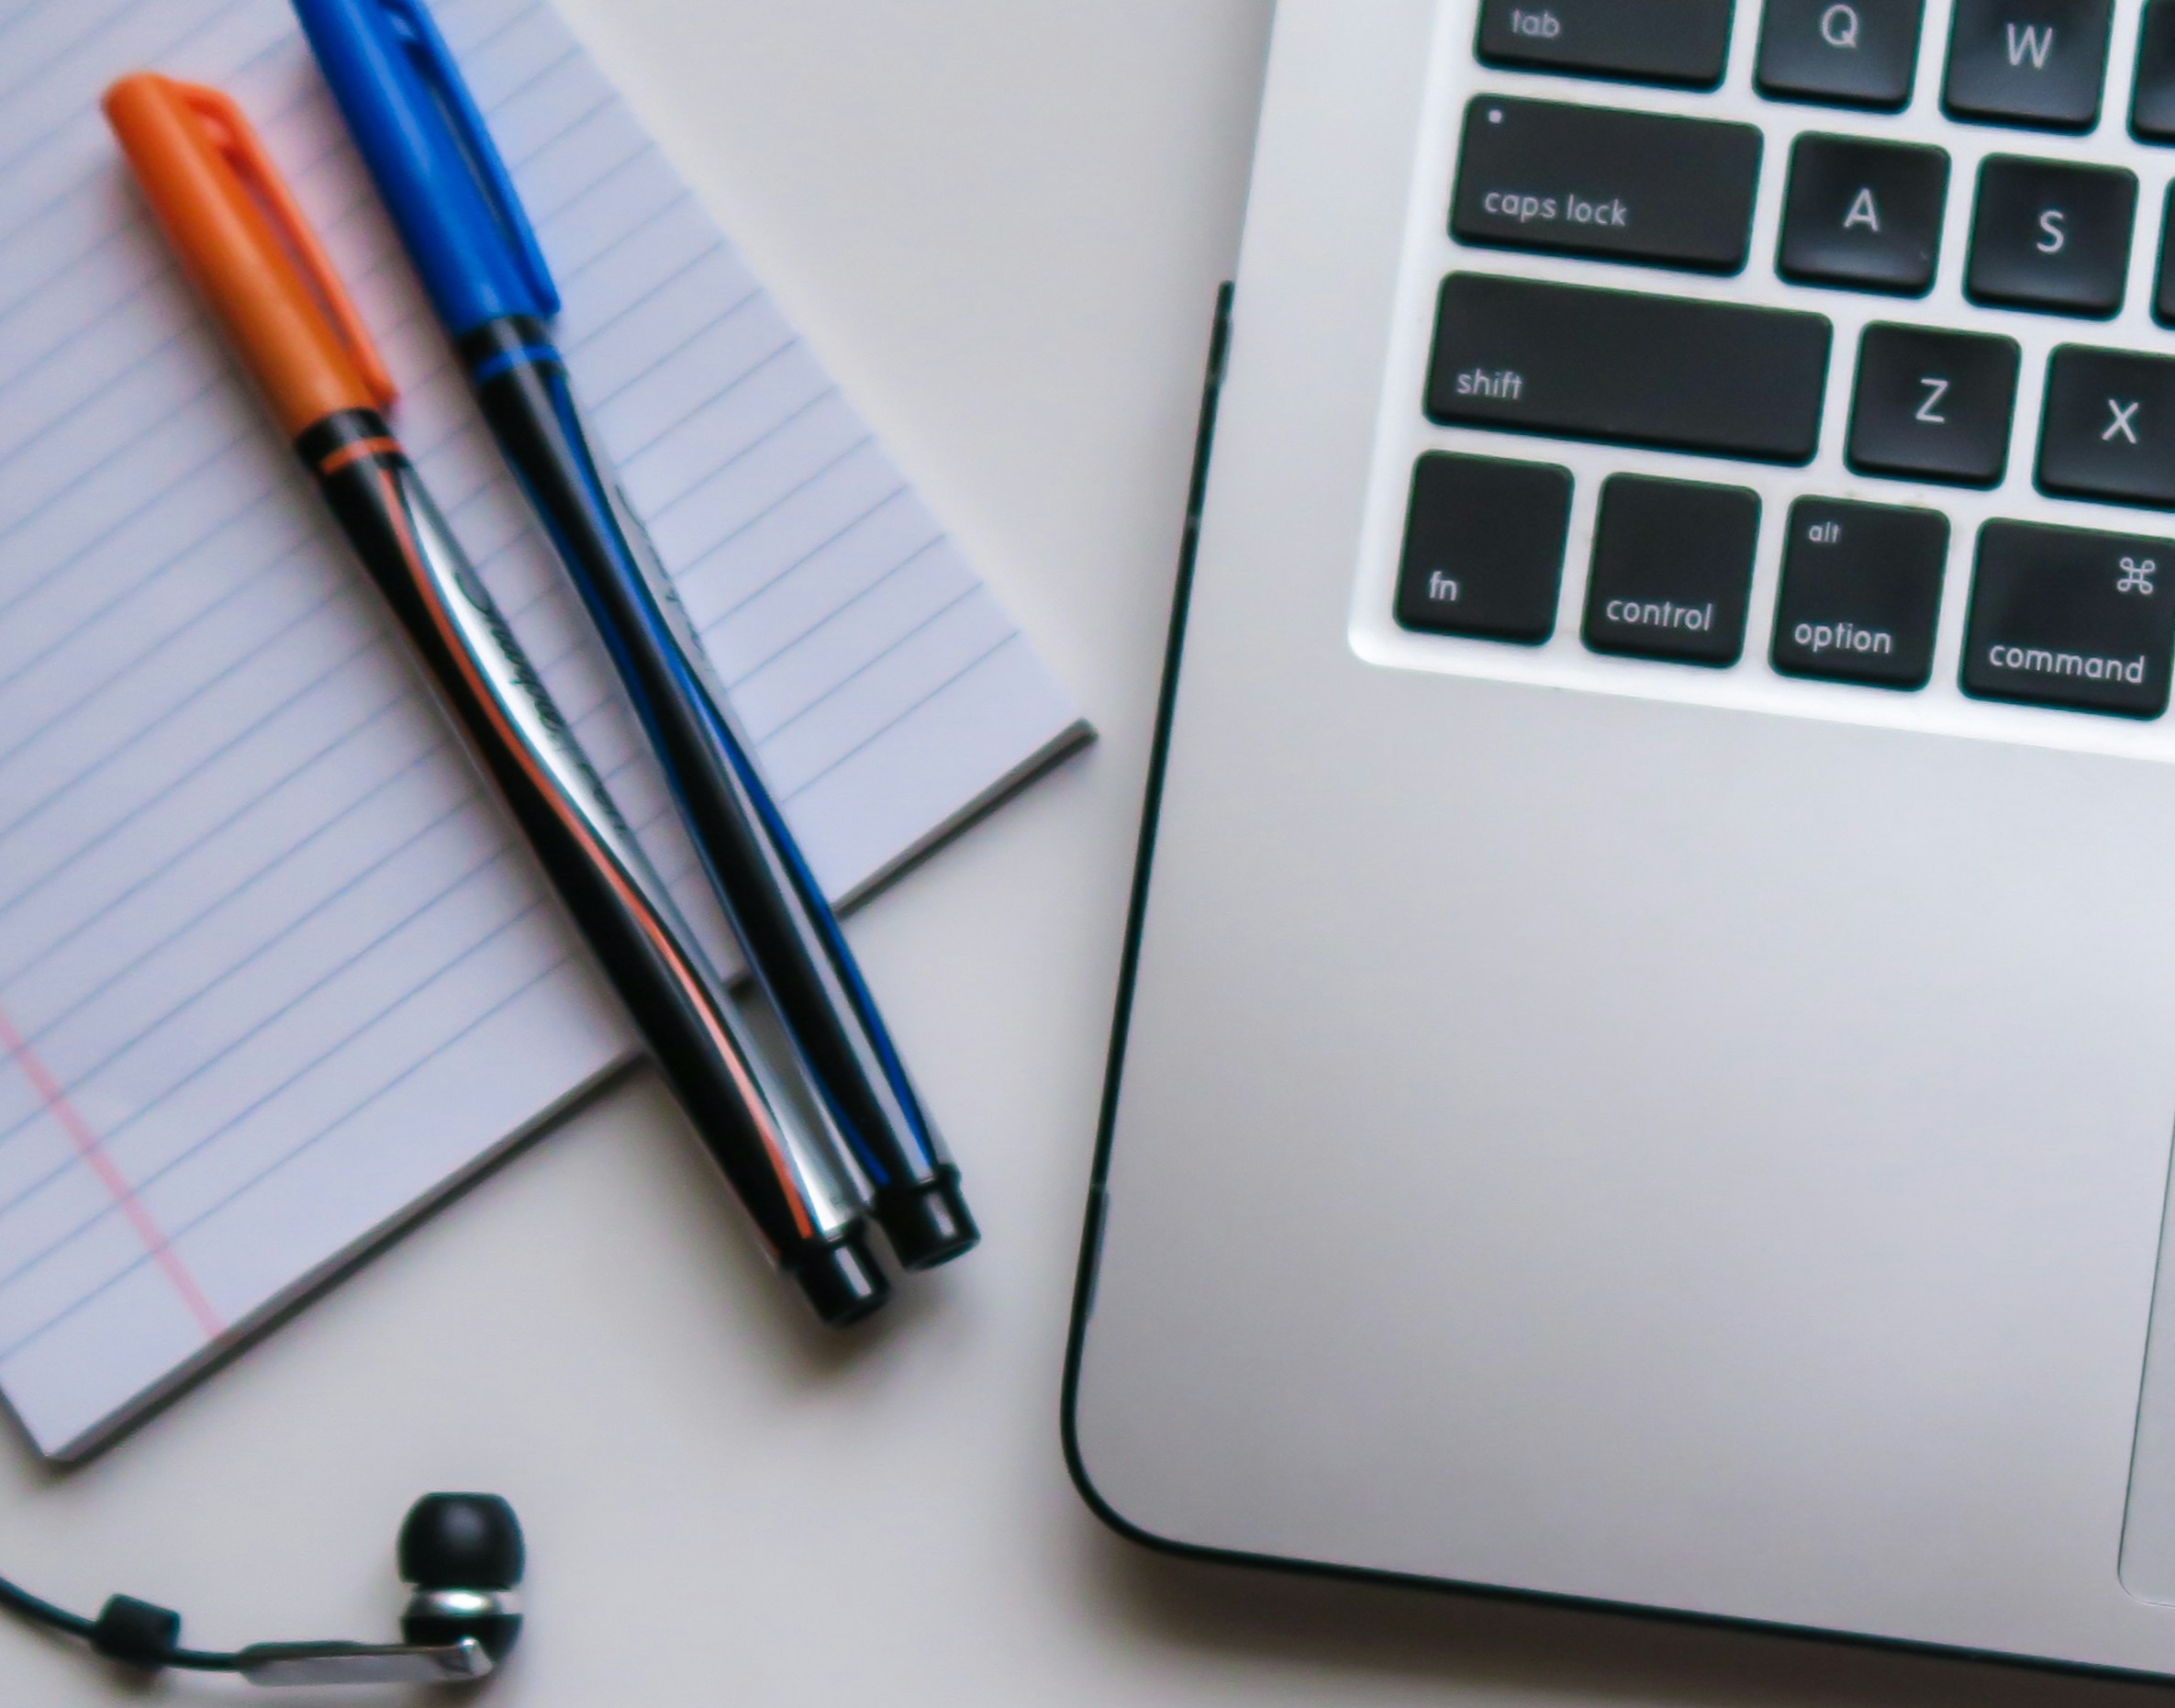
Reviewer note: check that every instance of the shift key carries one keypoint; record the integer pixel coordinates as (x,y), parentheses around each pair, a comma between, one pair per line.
(1570,362)
(1615,186)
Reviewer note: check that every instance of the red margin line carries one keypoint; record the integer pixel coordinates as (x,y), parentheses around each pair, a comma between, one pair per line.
(89,1146)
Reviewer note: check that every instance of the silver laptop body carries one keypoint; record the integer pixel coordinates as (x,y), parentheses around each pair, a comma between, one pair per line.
(1687,1135)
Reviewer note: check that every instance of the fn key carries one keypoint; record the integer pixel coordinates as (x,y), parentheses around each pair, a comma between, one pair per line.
(1484,548)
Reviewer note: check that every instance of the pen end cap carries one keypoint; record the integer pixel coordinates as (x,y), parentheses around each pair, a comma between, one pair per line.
(842,1281)
(929,1223)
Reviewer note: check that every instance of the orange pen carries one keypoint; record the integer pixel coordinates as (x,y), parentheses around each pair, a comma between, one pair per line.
(245,244)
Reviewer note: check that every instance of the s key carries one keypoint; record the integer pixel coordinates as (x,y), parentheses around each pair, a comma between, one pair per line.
(2051,236)
(1620,186)
(2110,426)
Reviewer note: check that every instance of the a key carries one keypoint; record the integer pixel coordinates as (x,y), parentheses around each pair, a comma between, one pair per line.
(1672,570)
(1484,545)
(1866,215)
(2152,102)
(1933,405)
(2050,236)
(1862,593)
(1681,42)
(1623,187)
(2036,62)
(1626,368)
(2060,617)
(2108,430)
(1844,52)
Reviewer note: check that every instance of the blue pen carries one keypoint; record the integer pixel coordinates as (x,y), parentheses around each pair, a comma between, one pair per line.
(457,211)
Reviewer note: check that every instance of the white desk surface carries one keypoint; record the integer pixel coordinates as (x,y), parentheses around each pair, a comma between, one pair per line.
(1003,221)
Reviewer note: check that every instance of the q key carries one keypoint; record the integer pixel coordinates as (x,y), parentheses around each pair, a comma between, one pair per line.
(1841,52)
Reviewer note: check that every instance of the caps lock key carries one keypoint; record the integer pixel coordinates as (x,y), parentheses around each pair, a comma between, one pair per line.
(1615,186)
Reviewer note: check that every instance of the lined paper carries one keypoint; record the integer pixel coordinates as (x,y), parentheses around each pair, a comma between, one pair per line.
(274,974)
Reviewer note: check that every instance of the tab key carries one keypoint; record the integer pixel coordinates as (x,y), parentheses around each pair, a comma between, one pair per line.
(1683,43)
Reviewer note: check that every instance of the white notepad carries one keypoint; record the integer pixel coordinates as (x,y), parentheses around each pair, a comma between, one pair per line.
(274,974)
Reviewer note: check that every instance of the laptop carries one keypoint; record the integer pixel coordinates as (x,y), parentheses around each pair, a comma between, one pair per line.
(1646,1070)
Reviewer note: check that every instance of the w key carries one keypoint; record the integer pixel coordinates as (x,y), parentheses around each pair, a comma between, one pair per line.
(2110,428)
(2037,63)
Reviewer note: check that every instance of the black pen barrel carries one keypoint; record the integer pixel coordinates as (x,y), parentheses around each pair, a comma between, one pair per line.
(779,912)
(803,1210)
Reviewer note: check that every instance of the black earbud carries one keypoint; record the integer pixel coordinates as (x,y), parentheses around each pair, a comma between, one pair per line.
(463,1556)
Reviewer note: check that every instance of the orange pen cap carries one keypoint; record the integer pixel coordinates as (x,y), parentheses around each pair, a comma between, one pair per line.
(244,242)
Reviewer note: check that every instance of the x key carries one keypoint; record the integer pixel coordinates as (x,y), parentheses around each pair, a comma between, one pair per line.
(2110,426)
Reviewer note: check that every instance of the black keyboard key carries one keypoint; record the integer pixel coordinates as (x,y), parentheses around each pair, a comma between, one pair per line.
(1933,406)
(2064,617)
(2051,236)
(1862,593)
(2152,102)
(1620,186)
(1575,362)
(1682,42)
(1484,545)
(1864,216)
(2163,288)
(1672,570)
(1844,52)
(2036,62)
(2108,430)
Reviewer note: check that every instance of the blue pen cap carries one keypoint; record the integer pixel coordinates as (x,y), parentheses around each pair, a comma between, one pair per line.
(434,163)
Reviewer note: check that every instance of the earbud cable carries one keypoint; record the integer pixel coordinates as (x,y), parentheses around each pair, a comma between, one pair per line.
(37,1611)
(43,1613)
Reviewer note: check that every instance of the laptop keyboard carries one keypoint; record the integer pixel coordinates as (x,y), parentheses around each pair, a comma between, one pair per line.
(1855,313)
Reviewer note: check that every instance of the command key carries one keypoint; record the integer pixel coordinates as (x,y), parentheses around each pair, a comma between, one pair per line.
(2063,617)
